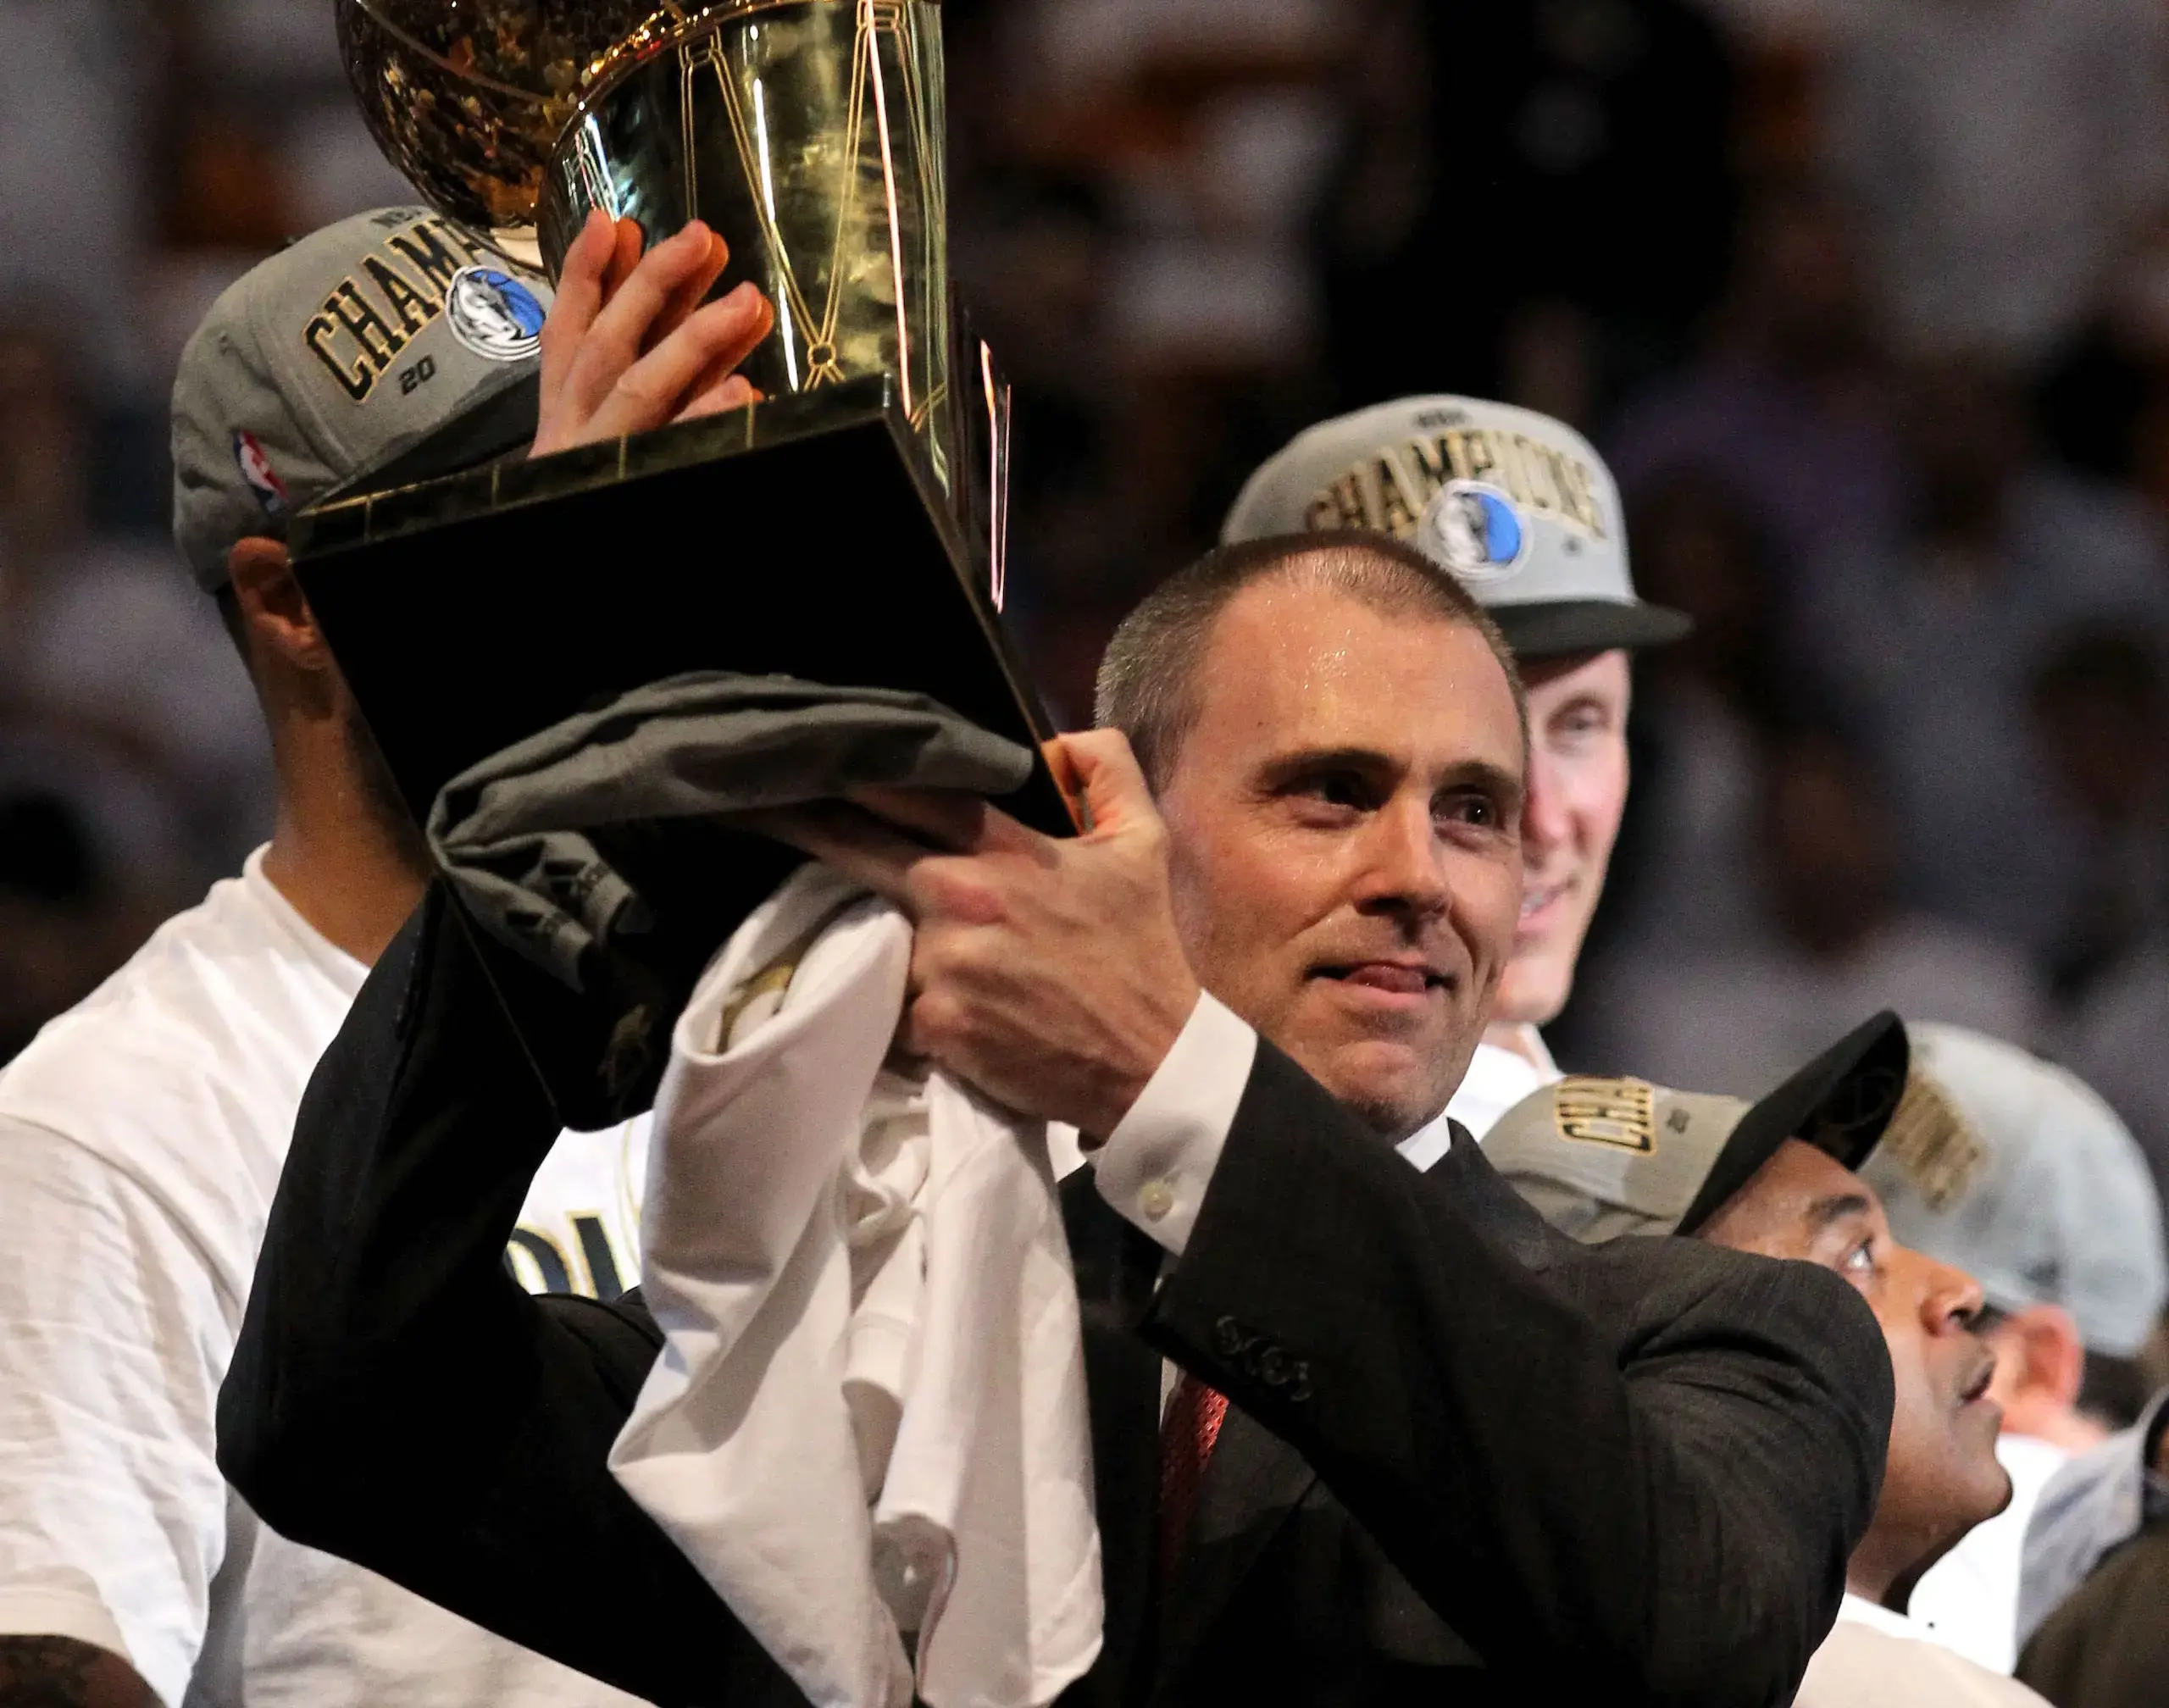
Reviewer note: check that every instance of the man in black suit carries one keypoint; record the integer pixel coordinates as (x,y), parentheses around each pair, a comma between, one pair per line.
(1459,1455)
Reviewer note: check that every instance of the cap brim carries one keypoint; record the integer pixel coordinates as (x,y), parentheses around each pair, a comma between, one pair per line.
(1840,1102)
(1554,628)
(499,424)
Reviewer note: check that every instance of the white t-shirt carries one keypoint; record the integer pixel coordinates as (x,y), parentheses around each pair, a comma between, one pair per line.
(1874,1658)
(141,1139)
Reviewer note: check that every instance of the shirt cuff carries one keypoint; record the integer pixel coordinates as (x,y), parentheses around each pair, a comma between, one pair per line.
(30,1611)
(1157,1162)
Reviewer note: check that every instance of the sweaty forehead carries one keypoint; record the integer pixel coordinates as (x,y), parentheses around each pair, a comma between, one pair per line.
(1292,665)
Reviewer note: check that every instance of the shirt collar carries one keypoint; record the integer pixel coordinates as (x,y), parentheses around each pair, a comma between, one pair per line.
(1528,1042)
(1426,1145)
(1858,1609)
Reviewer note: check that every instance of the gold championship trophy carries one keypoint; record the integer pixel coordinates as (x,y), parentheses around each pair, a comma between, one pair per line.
(846,531)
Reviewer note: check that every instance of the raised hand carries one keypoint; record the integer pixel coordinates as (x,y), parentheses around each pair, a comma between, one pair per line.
(1048,973)
(629,343)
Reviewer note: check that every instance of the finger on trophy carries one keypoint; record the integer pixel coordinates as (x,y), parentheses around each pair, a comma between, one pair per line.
(730,329)
(632,316)
(579,298)
(629,242)
(688,295)
(732,391)
(697,357)
(610,346)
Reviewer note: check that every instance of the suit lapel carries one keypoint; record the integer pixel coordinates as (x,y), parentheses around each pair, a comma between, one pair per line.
(1115,1269)
(1253,1482)
(1501,1214)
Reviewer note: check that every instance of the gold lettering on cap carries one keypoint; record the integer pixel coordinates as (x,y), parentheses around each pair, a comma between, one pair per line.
(1508,448)
(1340,505)
(423,247)
(1540,471)
(1583,487)
(1620,1112)
(1571,479)
(1389,490)
(380,340)
(414,309)
(1933,1143)
(360,380)
(1433,466)
(1398,508)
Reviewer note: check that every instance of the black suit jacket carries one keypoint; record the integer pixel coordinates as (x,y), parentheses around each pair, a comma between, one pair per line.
(1637,1469)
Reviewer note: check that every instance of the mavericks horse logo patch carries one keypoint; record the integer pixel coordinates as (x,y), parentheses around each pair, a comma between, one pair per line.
(1476,530)
(494,315)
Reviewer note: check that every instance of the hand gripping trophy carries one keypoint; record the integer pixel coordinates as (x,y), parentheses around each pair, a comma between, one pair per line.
(846,531)
(807,132)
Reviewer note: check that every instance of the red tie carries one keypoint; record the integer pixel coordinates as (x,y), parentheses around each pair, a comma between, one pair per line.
(1187,1433)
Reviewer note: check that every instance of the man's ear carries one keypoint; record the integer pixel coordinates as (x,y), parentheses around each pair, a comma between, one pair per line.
(2043,1340)
(274,611)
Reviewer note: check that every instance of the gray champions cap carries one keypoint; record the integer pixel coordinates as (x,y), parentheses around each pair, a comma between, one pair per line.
(335,358)
(1516,507)
(1599,1158)
(2041,1194)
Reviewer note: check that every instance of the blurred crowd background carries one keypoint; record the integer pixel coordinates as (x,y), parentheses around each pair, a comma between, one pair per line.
(1865,301)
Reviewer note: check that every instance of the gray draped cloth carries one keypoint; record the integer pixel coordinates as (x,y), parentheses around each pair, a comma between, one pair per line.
(538,839)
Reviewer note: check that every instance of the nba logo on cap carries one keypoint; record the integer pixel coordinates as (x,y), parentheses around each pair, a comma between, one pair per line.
(1476,530)
(262,480)
(494,315)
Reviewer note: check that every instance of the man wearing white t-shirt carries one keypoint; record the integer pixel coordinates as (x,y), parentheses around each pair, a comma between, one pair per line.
(141,1134)
(1520,510)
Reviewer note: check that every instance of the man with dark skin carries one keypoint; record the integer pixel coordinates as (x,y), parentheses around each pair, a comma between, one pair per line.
(1942,1477)
(1603,1158)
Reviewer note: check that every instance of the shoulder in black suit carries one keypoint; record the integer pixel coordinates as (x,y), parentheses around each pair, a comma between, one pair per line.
(1643,1464)
(1459,1436)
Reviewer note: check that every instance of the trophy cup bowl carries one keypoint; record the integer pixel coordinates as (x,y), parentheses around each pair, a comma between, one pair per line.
(847,530)
(807,132)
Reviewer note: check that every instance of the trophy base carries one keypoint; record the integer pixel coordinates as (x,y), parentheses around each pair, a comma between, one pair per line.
(800,536)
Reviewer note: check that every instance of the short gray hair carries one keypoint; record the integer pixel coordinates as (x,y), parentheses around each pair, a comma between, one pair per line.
(1148,676)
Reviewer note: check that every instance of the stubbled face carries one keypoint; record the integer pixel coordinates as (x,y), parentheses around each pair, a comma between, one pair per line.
(1942,1477)
(1577,792)
(1343,819)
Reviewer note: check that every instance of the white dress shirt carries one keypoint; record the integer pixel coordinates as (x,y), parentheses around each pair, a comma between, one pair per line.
(1498,1079)
(1874,1658)
(1155,1165)
(1222,1052)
